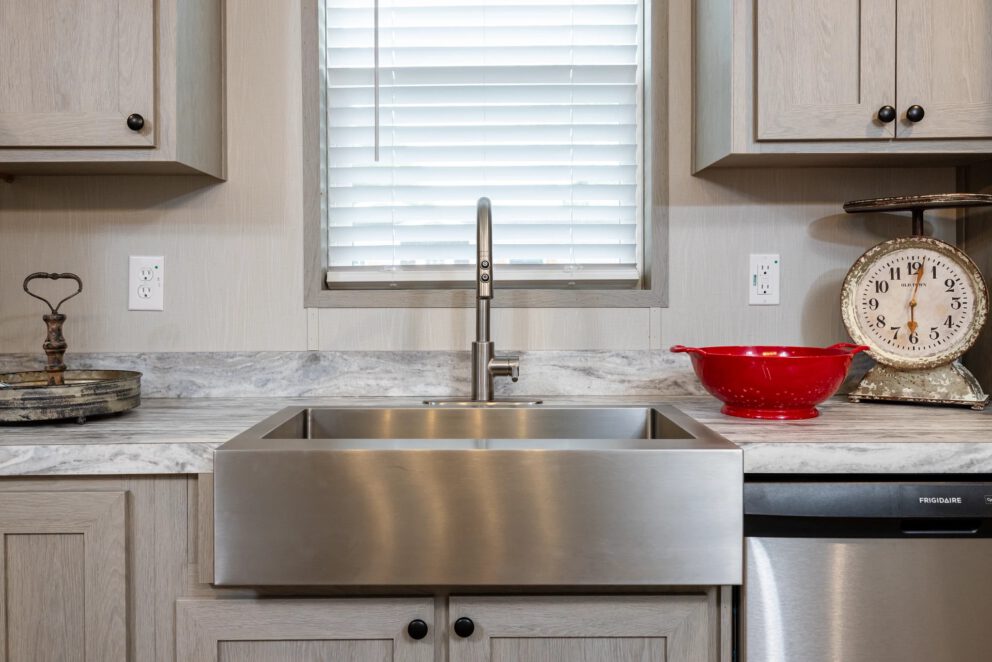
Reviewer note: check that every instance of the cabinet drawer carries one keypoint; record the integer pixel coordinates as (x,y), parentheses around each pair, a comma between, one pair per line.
(360,629)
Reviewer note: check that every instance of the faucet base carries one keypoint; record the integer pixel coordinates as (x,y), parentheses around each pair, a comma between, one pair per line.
(482,379)
(476,403)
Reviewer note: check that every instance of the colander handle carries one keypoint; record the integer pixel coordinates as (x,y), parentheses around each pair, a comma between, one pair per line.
(850,347)
(679,349)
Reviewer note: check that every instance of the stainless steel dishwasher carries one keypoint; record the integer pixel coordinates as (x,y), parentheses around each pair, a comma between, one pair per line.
(867,572)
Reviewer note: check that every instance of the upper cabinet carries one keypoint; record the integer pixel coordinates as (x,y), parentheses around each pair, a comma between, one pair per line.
(74,71)
(121,86)
(825,68)
(945,68)
(846,82)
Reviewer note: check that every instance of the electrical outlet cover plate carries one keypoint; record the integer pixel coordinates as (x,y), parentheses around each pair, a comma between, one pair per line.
(146,283)
(764,285)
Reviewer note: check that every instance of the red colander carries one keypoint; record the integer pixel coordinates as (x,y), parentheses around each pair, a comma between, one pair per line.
(772,382)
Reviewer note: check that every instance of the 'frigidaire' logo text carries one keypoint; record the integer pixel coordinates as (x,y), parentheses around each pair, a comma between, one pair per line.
(940,499)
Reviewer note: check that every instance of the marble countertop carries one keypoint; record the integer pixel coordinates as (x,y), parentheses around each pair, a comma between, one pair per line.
(178,436)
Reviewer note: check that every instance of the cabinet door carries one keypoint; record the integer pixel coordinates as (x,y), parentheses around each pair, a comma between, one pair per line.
(582,629)
(824,69)
(62,568)
(945,66)
(73,70)
(317,630)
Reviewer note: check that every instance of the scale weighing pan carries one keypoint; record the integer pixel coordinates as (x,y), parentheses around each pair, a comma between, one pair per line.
(56,393)
(918,204)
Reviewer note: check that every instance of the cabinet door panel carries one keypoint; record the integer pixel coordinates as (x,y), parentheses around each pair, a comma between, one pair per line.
(667,628)
(945,66)
(62,576)
(824,68)
(74,70)
(342,630)
(305,651)
(45,597)
(606,649)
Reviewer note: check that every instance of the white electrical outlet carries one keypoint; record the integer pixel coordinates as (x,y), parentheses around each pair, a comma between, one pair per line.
(146,283)
(764,280)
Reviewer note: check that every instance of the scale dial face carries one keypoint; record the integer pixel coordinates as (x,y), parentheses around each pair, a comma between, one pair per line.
(916,302)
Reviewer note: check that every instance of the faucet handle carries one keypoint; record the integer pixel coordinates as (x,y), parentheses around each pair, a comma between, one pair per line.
(505,366)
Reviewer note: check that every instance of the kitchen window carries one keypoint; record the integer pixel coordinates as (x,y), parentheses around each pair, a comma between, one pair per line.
(423,106)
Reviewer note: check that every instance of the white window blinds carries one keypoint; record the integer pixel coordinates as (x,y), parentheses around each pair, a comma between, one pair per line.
(536,105)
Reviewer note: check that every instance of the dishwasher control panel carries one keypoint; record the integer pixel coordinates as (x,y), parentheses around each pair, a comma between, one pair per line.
(881,499)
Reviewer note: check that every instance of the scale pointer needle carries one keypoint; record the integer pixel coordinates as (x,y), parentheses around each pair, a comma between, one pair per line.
(912,324)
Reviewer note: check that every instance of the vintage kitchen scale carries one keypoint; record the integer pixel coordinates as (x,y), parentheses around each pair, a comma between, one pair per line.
(57,393)
(919,304)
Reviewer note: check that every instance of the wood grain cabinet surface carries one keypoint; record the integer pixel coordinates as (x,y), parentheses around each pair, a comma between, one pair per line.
(650,628)
(123,86)
(606,628)
(825,68)
(63,577)
(302,630)
(945,67)
(805,82)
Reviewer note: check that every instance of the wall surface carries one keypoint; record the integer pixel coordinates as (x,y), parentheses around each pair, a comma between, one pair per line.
(234,250)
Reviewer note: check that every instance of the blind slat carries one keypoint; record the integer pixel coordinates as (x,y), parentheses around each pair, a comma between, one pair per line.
(456,214)
(501,174)
(493,96)
(517,115)
(496,155)
(523,135)
(538,74)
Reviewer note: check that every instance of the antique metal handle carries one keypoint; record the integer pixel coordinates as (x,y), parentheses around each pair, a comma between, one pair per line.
(55,344)
(53,276)
(886,114)
(915,113)
(135,122)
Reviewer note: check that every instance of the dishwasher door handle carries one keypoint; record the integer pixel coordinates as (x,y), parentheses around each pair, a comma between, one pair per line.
(949,526)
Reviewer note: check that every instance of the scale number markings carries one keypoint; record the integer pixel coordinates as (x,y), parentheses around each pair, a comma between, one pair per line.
(915,303)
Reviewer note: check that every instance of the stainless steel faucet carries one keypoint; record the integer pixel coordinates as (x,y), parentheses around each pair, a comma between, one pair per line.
(486,366)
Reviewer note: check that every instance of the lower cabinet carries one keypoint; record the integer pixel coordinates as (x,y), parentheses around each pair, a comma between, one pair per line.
(62,573)
(670,628)
(304,630)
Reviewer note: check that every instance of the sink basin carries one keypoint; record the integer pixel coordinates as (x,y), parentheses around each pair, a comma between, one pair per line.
(477,496)
(612,427)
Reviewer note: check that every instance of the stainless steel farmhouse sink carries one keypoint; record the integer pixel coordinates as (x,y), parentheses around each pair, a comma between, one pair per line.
(477,496)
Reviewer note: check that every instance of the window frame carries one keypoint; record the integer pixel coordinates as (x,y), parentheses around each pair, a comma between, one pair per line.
(651,291)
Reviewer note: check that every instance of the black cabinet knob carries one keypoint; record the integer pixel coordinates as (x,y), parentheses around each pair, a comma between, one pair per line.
(464,627)
(886,114)
(417,629)
(915,113)
(135,122)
